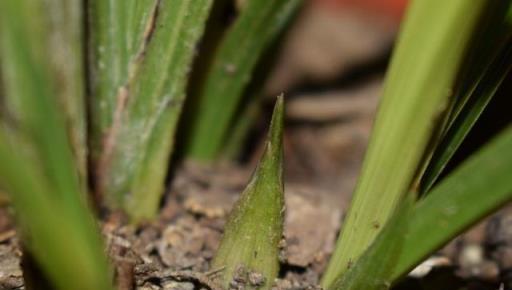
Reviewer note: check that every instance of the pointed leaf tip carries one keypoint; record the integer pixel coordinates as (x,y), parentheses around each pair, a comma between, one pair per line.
(250,246)
(274,149)
(276,124)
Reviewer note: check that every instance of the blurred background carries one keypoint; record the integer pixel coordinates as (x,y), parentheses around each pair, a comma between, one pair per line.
(330,64)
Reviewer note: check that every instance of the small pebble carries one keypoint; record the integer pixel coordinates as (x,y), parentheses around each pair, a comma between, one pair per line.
(256,279)
(471,255)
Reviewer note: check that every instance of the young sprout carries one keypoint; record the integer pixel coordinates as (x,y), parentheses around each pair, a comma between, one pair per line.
(249,249)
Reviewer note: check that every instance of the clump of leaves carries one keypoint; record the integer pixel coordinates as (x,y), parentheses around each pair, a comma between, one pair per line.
(128,63)
(424,115)
(131,77)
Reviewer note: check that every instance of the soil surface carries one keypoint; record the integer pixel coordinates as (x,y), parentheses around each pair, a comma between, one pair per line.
(174,252)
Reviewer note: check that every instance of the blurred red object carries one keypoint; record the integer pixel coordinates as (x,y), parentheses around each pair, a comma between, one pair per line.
(392,8)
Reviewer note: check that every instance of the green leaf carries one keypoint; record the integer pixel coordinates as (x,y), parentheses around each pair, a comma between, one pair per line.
(142,55)
(59,49)
(476,102)
(34,90)
(452,206)
(118,35)
(63,238)
(373,270)
(38,169)
(64,33)
(234,62)
(241,128)
(255,226)
(489,61)
(418,86)
(478,187)
(489,43)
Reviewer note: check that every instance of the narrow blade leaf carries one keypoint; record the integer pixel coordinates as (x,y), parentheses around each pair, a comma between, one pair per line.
(483,180)
(484,76)
(373,270)
(37,166)
(468,113)
(142,52)
(418,86)
(234,62)
(64,239)
(479,186)
(41,67)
